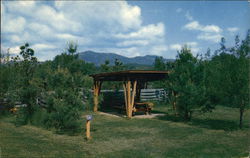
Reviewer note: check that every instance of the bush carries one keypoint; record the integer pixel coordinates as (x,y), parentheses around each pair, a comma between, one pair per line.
(39,117)
(22,116)
(63,111)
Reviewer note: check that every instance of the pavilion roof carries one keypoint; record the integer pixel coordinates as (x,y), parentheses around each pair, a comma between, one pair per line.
(139,75)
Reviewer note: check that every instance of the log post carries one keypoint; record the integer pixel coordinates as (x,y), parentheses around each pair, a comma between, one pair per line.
(88,129)
(129,99)
(133,96)
(96,91)
(129,114)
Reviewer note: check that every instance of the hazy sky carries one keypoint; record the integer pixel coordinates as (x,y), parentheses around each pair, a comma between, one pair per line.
(128,28)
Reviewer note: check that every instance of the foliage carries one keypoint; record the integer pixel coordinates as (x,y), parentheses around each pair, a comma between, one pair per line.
(106,67)
(52,93)
(24,89)
(186,83)
(159,64)
(63,84)
(231,79)
(64,95)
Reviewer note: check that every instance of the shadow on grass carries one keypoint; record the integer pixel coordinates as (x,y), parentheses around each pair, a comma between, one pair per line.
(172,118)
(158,112)
(215,124)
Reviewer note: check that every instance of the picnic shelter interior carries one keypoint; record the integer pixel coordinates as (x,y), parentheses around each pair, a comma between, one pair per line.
(133,81)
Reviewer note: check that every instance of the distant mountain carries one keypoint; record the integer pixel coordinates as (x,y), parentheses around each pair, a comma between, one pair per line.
(99,58)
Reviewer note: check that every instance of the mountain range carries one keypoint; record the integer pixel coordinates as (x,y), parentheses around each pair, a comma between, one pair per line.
(100,58)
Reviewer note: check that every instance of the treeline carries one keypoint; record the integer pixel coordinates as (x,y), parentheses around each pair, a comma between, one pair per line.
(199,83)
(52,94)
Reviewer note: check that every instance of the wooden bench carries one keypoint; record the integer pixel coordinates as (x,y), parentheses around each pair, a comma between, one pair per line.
(146,107)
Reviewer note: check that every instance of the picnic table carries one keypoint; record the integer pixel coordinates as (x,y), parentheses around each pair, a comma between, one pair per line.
(146,107)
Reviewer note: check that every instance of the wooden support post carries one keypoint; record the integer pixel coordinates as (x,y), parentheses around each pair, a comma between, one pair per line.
(129,99)
(96,91)
(129,114)
(134,93)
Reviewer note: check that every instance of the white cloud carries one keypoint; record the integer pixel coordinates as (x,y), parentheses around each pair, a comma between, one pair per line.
(21,7)
(14,50)
(195,25)
(41,46)
(130,16)
(175,47)
(210,33)
(118,14)
(232,29)
(210,37)
(14,25)
(132,42)
(145,32)
(104,26)
(192,45)
(26,3)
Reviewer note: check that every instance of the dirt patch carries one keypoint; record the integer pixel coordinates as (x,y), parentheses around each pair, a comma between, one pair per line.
(136,116)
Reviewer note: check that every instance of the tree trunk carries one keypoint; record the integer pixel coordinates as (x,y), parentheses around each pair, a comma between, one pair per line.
(174,103)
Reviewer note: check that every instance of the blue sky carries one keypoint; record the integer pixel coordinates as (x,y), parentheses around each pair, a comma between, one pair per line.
(129,28)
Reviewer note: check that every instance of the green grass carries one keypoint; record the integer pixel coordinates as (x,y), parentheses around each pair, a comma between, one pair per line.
(210,135)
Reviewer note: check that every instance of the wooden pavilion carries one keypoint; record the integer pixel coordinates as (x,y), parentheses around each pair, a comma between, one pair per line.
(133,82)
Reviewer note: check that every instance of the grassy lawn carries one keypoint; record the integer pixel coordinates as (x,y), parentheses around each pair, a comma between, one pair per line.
(210,135)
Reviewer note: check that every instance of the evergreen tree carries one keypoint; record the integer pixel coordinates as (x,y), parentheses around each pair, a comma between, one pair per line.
(26,91)
(186,84)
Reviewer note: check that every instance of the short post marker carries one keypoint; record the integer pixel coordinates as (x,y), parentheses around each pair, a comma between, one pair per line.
(88,118)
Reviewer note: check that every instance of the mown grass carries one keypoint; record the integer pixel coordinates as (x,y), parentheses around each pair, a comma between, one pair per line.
(213,134)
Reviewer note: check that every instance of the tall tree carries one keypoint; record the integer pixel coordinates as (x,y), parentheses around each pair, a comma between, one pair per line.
(26,91)
(186,84)
(240,76)
(230,75)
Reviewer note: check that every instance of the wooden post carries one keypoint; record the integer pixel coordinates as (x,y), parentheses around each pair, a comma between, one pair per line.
(129,114)
(129,100)
(88,129)
(95,97)
(133,94)
(96,91)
